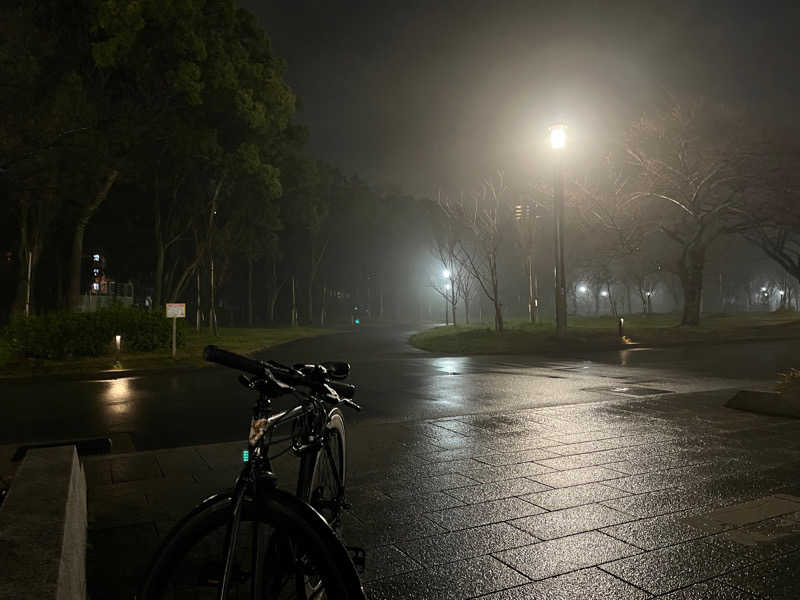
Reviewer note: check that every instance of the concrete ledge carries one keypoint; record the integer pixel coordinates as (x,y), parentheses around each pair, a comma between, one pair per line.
(43,528)
(765,403)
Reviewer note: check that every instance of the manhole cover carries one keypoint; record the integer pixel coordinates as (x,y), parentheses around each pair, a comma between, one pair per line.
(628,390)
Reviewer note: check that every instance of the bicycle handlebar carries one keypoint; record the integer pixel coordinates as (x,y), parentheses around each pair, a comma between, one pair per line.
(235,361)
(279,372)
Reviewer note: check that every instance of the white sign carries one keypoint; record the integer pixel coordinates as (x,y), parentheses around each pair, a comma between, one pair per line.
(176,311)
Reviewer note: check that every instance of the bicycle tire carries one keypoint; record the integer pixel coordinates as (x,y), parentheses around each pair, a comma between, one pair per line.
(318,478)
(294,524)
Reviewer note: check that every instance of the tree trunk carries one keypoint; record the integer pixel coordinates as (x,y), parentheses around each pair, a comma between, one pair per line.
(498,317)
(250,289)
(466,308)
(212,312)
(159,275)
(76,258)
(294,305)
(691,275)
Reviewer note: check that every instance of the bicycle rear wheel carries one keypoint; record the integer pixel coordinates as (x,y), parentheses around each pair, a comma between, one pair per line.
(323,473)
(301,558)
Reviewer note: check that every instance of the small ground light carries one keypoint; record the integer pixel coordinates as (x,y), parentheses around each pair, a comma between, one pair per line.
(118,341)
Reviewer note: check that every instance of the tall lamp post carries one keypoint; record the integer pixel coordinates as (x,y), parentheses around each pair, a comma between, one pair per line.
(558,139)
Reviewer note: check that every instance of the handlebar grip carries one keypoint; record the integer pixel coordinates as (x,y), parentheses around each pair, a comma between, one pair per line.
(345,390)
(234,361)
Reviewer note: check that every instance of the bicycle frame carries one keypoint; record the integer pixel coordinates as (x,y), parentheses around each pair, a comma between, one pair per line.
(258,478)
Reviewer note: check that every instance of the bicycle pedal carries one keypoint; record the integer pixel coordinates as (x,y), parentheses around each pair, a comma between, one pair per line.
(359,557)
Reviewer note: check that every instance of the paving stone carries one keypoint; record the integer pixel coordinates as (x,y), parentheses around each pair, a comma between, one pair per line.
(655,503)
(668,569)
(496,490)
(433,469)
(570,521)
(586,584)
(454,581)
(658,463)
(519,456)
(760,541)
(135,467)
(118,557)
(385,561)
(179,461)
(521,442)
(443,455)
(775,579)
(706,591)
(403,510)
(755,510)
(98,472)
(485,513)
(374,534)
(403,489)
(567,497)
(664,530)
(576,476)
(487,474)
(467,543)
(659,480)
(556,557)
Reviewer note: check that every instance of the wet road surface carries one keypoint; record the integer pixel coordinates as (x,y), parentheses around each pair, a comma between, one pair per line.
(396,383)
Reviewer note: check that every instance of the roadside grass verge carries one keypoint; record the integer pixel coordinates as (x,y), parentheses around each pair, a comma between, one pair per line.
(601,333)
(240,340)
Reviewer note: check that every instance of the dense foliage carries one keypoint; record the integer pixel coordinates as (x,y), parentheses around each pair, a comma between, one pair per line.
(64,334)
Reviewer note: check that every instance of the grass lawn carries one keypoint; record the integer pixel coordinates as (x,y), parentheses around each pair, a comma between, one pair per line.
(240,340)
(600,333)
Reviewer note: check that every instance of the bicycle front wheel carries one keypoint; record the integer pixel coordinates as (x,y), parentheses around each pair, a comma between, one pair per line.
(322,473)
(285,550)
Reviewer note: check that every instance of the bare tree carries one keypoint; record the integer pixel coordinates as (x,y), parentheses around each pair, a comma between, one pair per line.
(484,217)
(691,170)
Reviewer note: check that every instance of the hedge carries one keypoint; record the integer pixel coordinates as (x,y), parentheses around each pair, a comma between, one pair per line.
(61,335)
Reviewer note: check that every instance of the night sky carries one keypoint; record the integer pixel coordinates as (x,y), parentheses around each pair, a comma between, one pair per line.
(414,95)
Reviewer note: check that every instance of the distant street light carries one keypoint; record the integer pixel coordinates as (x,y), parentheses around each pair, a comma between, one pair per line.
(558,140)
(604,293)
(446,274)
(764,289)
(582,289)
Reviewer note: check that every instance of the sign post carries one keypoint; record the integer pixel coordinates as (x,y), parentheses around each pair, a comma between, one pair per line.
(175,312)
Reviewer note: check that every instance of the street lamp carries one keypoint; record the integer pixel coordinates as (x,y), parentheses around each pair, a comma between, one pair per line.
(558,140)
(582,289)
(446,274)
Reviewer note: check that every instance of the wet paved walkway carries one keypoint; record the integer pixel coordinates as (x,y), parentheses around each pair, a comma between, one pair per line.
(669,496)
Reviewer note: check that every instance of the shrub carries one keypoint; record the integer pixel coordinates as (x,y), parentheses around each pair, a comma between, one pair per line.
(789,383)
(63,334)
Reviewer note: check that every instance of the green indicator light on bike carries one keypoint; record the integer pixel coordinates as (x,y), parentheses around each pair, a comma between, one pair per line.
(245,455)
(358,321)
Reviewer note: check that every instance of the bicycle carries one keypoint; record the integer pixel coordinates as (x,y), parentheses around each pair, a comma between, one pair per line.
(255,540)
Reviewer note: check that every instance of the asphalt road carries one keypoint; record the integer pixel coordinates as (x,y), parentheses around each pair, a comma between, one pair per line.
(396,383)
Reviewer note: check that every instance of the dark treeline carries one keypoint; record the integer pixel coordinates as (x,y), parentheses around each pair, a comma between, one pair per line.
(160,135)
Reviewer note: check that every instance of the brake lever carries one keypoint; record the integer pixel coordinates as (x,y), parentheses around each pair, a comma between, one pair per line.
(351,404)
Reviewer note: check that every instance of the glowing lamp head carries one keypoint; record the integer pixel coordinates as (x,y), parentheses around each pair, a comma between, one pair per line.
(446,274)
(582,289)
(764,289)
(558,137)
(604,293)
